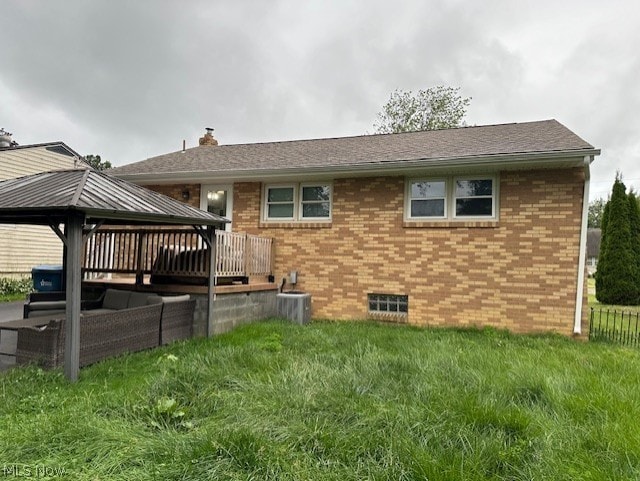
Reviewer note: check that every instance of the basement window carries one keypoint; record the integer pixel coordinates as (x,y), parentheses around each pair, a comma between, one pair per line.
(388,304)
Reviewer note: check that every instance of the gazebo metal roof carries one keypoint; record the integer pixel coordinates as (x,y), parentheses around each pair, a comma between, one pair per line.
(83,200)
(48,197)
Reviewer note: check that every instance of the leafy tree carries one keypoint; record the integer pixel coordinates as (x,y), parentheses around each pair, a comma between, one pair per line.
(96,162)
(617,277)
(435,108)
(596,209)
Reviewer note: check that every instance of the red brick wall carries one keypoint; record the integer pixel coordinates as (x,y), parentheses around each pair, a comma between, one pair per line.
(518,273)
(175,192)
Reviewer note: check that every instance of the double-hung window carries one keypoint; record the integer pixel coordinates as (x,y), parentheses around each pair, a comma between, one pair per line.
(460,197)
(428,199)
(280,202)
(474,197)
(315,202)
(297,202)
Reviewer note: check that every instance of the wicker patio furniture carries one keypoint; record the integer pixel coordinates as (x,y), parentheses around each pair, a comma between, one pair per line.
(102,335)
(126,321)
(176,322)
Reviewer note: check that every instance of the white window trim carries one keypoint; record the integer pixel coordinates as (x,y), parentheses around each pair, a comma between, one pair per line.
(297,202)
(266,202)
(409,198)
(494,196)
(301,202)
(450,200)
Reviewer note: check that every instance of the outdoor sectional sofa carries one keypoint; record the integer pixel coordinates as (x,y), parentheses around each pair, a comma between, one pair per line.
(119,322)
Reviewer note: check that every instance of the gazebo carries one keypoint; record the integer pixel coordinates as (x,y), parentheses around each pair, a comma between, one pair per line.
(82,201)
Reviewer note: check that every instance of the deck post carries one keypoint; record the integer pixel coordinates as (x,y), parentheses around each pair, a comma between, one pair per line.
(247,254)
(73,250)
(139,258)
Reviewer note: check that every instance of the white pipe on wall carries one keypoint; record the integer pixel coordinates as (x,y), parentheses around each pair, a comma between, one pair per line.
(577,323)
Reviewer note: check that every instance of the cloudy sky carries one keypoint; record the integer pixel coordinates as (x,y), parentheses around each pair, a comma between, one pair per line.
(131,79)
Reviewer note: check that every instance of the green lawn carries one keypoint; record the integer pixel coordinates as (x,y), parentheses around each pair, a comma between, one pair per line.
(12,297)
(334,401)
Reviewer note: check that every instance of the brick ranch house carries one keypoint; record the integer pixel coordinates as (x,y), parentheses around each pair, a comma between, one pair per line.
(471,226)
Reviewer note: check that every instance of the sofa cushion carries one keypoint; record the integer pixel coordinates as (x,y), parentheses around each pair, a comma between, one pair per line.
(48,312)
(116,299)
(168,299)
(154,299)
(93,312)
(47,305)
(138,299)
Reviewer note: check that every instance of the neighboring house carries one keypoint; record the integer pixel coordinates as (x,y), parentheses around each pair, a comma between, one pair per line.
(460,227)
(24,246)
(594,236)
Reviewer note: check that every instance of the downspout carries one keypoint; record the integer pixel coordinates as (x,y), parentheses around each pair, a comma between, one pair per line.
(577,324)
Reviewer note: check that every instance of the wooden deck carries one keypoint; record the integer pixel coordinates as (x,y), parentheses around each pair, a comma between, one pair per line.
(129,283)
(175,257)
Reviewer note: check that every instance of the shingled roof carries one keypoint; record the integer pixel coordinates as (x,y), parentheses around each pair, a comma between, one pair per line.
(47,198)
(426,147)
(57,147)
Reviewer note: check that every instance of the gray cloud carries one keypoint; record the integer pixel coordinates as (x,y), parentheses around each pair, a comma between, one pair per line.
(129,80)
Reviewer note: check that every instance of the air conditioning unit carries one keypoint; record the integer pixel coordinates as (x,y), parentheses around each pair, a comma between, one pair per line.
(295,306)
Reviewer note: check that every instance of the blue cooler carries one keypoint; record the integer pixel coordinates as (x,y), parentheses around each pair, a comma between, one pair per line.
(47,278)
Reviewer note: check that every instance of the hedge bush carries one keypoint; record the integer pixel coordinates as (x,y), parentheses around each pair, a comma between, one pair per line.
(13,287)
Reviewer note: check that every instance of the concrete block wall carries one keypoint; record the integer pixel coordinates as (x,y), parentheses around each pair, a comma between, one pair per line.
(233,310)
(518,272)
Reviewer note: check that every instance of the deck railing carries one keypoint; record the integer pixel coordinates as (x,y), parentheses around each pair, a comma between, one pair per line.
(174,252)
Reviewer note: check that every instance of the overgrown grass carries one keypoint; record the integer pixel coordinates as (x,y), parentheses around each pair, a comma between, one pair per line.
(335,401)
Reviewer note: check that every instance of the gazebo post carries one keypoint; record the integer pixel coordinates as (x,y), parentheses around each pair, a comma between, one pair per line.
(211,282)
(208,236)
(74,286)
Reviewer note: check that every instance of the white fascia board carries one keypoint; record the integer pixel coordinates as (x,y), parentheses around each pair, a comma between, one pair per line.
(402,167)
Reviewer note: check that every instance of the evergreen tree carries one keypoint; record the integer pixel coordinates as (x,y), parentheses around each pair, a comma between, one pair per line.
(634,224)
(616,277)
(602,259)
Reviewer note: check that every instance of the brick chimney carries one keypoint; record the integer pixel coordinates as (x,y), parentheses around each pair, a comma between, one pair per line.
(208,139)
